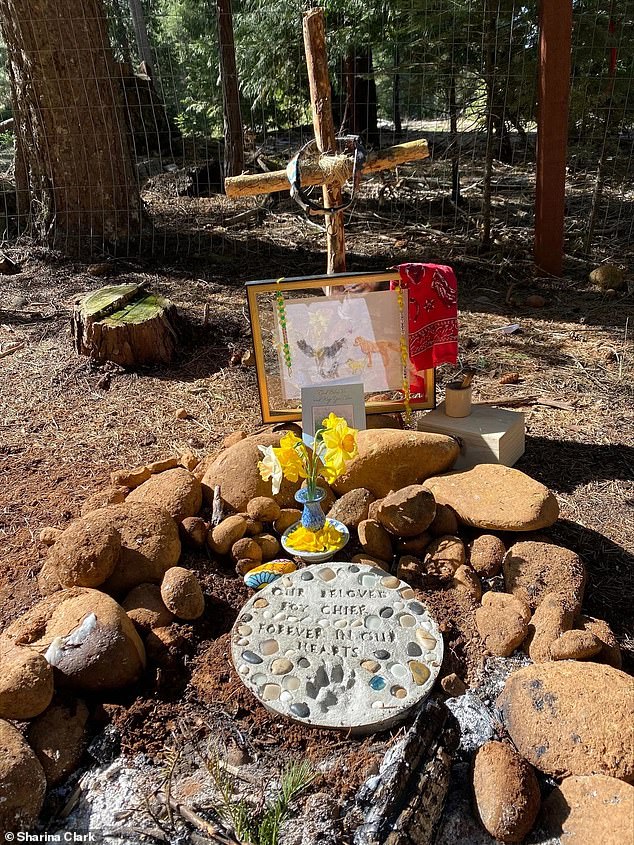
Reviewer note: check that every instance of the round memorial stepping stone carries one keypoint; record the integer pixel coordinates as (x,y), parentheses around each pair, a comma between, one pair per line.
(322,650)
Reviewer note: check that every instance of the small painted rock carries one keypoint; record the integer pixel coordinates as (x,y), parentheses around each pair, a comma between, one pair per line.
(265,574)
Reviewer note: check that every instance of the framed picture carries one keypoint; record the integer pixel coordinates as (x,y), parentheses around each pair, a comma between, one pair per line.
(344,400)
(329,330)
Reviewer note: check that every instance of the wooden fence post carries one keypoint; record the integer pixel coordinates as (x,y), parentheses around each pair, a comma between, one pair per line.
(555,41)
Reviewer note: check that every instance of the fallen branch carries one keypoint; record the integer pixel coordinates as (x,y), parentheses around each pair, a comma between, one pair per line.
(15,348)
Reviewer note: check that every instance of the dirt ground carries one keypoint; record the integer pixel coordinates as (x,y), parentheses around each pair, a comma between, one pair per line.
(66,423)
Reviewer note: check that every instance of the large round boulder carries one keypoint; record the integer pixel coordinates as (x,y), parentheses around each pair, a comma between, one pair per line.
(502,622)
(352,508)
(505,791)
(236,471)
(150,544)
(532,569)
(86,553)
(182,593)
(26,683)
(176,490)
(58,737)
(571,718)
(389,460)
(407,512)
(591,810)
(85,636)
(22,782)
(496,498)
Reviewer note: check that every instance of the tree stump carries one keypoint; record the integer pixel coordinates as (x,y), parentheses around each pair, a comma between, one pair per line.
(125,324)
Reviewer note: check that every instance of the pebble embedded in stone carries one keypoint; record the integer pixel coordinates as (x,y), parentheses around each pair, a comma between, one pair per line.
(300,709)
(386,612)
(420,672)
(307,576)
(425,639)
(258,603)
(303,663)
(251,657)
(408,593)
(378,705)
(399,692)
(269,647)
(281,666)
(377,682)
(372,623)
(417,608)
(291,683)
(382,654)
(370,665)
(398,671)
(406,621)
(414,650)
(390,582)
(327,575)
(271,692)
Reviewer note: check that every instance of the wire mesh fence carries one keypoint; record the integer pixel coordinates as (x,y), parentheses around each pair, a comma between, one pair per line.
(460,74)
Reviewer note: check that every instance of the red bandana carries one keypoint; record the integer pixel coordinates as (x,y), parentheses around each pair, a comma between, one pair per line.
(433,316)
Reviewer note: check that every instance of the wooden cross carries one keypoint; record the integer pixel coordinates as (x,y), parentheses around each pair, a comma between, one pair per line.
(326,140)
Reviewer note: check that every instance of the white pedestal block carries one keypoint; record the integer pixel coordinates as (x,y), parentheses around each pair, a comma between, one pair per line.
(488,435)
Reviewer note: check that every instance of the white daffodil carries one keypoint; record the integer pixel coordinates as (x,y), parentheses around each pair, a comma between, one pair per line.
(270,467)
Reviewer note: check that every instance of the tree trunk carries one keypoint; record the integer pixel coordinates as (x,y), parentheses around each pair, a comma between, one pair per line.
(453,140)
(361,110)
(70,125)
(125,324)
(489,79)
(396,95)
(141,36)
(234,141)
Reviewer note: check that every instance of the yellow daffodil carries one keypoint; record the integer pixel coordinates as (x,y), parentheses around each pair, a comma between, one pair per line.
(270,468)
(290,457)
(327,539)
(340,441)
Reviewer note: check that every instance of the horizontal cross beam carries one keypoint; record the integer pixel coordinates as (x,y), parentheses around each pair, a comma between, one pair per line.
(312,174)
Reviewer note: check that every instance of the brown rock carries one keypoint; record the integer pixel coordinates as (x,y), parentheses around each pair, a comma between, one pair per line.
(610,652)
(444,522)
(550,620)
(352,508)
(165,646)
(369,560)
(571,717)
(49,536)
(407,512)
(486,555)
(129,477)
(414,545)
(506,792)
(87,552)
(532,569)
(26,683)
(201,468)
(247,547)
(58,737)
(502,622)
(443,557)
(384,420)
(287,517)
(466,580)
(535,301)
(245,565)
(229,531)
(146,608)
(254,526)
(575,645)
(182,594)
(102,498)
(496,498)
(191,463)
(182,414)
(193,532)
(591,810)
(177,491)
(410,569)
(86,637)
(233,438)
(47,580)
(236,471)
(373,509)
(375,540)
(453,685)
(390,459)
(269,545)
(608,277)
(263,509)
(149,544)
(22,782)
(161,466)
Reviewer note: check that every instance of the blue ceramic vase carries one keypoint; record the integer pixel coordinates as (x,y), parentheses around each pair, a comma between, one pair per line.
(313,517)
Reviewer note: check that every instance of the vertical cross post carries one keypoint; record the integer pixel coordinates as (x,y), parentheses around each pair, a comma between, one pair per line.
(555,40)
(321,105)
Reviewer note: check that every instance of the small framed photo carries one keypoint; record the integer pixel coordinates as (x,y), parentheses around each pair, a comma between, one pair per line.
(343,400)
(320,331)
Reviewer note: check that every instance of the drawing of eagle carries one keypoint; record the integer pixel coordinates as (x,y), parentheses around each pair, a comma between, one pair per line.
(322,356)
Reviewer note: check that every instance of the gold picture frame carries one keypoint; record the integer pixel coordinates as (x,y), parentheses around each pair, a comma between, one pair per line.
(265,298)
